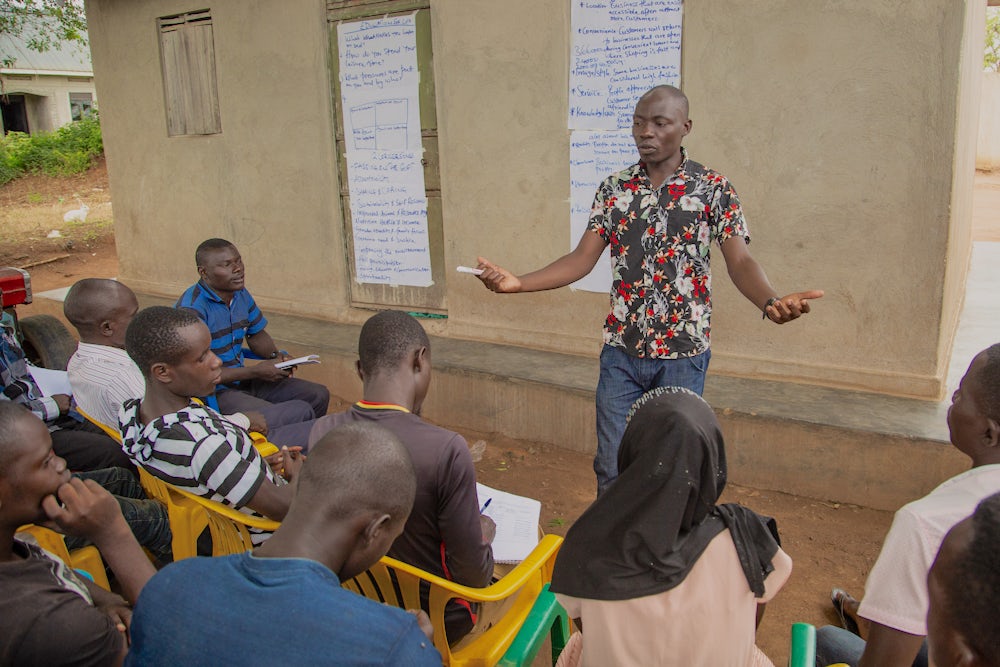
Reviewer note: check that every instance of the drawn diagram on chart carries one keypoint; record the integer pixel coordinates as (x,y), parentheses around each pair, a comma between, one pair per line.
(379,84)
(381,125)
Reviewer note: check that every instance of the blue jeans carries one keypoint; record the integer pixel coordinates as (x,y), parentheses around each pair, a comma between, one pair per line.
(147,518)
(624,379)
(835,645)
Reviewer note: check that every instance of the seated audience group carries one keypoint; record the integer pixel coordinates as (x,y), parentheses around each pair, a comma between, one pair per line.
(655,572)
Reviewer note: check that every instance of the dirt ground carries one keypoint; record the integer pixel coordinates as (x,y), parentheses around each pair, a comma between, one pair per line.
(831,544)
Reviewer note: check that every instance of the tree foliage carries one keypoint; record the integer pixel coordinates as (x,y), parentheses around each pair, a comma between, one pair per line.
(42,24)
(991,58)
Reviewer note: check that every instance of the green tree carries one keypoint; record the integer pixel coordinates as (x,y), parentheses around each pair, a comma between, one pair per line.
(991,58)
(42,24)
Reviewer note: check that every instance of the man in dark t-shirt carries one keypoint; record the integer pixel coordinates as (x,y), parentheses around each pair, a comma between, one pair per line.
(48,614)
(445,534)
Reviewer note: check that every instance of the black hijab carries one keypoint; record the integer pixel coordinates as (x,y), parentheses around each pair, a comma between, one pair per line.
(646,532)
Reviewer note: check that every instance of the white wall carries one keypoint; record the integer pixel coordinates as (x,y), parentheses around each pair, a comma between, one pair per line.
(988,149)
(47,99)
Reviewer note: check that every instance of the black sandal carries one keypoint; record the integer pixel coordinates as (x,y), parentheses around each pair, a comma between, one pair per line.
(837,597)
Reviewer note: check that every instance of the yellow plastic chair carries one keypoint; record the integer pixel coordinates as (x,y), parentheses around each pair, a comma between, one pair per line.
(398,584)
(189,514)
(187,520)
(112,432)
(229,527)
(87,558)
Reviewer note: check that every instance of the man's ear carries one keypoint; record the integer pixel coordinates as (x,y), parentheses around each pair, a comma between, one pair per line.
(375,527)
(420,360)
(162,372)
(202,272)
(992,434)
(964,655)
(361,373)
(106,328)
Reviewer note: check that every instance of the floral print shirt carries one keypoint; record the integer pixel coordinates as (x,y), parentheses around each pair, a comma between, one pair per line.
(661,295)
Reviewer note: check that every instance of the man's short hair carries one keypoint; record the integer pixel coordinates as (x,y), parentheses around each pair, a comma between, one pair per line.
(152,336)
(10,414)
(91,301)
(357,467)
(973,584)
(989,382)
(208,246)
(671,91)
(386,339)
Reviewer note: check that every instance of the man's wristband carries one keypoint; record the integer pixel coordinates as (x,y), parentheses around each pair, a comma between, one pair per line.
(770,302)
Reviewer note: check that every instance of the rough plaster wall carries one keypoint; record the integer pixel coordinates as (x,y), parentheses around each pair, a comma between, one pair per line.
(836,122)
(959,250)
(267,182)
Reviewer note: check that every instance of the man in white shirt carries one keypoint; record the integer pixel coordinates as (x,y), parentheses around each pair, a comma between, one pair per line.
(896,599)
(102,374)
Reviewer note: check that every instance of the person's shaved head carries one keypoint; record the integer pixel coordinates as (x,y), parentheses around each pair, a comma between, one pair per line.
(154,336)
(357,468)
(10,434)
(208,246)
(671,92)
(386,339)
(93,301)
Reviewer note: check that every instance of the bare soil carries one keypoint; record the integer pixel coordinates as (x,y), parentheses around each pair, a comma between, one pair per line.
(831,544)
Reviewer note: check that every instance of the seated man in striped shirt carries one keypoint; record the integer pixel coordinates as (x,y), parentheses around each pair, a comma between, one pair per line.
(188,444)
(222,301)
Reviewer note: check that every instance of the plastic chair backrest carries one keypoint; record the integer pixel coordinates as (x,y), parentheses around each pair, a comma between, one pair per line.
(189,514)
(112,432)
(229,526)
(803,651)
(547,618)
(86,558)
(187,519)
(398,584)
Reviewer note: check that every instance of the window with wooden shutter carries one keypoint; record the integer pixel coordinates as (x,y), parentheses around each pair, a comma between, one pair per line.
(187,59)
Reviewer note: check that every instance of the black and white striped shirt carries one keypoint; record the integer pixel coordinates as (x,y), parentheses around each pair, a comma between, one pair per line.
(197,450)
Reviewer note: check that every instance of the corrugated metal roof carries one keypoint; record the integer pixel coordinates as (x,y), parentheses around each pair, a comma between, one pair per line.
(65,57)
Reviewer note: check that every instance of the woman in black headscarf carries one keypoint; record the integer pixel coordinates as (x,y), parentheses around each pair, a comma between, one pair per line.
(655,570)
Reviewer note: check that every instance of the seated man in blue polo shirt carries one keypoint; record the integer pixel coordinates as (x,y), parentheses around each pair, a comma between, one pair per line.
(220,299)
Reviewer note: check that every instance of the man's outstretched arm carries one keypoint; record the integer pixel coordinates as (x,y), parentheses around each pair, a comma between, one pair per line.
(565,270)
(749,277)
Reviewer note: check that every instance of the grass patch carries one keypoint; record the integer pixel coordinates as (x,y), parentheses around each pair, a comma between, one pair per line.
(69,150)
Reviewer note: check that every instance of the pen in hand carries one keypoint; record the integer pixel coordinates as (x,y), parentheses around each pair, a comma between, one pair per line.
(485,505)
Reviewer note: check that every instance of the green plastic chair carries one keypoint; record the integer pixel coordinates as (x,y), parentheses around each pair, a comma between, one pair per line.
(803,652)
(547,618)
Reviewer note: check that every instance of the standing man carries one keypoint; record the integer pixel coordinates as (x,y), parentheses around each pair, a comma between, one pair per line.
(221,300)
(660,217)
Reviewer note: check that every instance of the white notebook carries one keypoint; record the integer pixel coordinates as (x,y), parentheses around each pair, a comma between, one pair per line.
(308,359)
(516,518)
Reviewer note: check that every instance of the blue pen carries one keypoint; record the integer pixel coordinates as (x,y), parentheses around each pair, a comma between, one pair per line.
(485,505)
